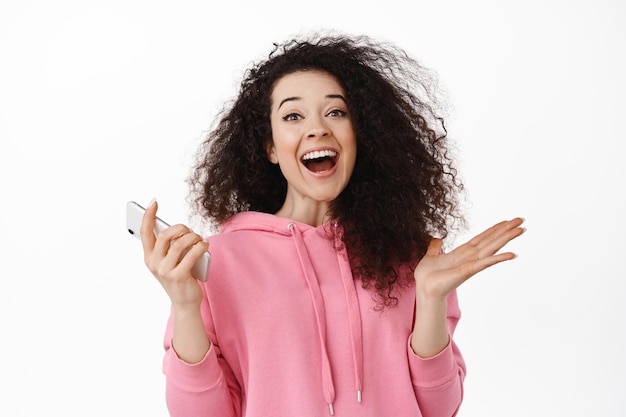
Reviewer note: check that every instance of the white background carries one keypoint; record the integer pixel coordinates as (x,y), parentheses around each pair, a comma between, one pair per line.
(105,101)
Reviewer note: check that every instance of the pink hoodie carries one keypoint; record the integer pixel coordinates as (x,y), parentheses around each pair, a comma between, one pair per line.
(295,335)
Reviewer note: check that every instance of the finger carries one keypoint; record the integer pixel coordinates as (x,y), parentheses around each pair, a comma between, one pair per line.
(490,261)
(178,248)
(468,269)
(498,240)
(475,241)
(167,237)
(146,233)
(510,225)
(490,241)
(191,257)
(495,230)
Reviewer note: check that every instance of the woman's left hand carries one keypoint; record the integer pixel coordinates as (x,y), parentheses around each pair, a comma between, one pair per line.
(437,274)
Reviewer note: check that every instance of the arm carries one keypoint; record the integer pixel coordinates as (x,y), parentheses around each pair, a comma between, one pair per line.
(170,257)
(437,366)
(438,380)
(205,388)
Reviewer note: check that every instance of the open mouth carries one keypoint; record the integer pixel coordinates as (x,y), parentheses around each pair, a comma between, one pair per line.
(320,161)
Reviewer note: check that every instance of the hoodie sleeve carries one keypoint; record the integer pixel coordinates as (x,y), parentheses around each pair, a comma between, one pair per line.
(207,388)
(438,381)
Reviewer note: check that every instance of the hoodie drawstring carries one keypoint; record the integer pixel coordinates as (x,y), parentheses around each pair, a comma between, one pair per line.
(354,315)
(328,386)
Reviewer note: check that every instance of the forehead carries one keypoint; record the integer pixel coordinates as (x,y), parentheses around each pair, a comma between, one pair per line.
(304,83)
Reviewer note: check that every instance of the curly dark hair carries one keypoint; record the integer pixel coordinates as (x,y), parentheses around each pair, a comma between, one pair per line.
(404,189)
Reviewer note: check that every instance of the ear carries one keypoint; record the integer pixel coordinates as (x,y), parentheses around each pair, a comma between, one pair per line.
(270,151)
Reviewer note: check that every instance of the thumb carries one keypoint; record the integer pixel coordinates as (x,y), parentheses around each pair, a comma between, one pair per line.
(147,226)
(434,247)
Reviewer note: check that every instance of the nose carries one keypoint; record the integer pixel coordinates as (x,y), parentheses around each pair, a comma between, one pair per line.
(313,133)
(316,128)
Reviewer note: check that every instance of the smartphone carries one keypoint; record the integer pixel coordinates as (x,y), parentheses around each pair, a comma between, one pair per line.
(134,214)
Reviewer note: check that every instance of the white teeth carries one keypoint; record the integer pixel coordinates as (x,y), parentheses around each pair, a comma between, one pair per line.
(318,154)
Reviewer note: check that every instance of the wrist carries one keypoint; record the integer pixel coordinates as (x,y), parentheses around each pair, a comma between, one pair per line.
(185,310)
(430,298)
(189,339)
(431,309)
(430,331)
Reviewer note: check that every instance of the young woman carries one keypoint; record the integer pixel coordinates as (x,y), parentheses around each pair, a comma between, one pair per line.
(328,292)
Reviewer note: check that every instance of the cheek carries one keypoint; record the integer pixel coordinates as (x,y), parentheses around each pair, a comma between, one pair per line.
(353,154)
(351,144)
(285,141)
(352,164)
(283,152)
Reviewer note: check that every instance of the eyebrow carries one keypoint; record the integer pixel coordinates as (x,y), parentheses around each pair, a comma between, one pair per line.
(339,96)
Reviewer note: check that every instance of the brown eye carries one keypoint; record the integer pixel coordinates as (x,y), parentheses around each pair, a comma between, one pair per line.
(291,117)
(336,113)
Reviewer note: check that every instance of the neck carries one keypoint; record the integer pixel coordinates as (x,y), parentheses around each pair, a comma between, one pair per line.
(311,214)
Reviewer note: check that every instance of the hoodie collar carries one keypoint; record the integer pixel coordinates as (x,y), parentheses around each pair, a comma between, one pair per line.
(253,220)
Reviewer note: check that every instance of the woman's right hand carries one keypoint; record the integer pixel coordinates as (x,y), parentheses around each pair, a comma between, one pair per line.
(170,257)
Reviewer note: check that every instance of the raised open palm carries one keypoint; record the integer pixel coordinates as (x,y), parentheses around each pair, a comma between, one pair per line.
(438,274)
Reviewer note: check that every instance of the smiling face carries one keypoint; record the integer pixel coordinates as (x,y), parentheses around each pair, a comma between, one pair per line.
(313,142)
